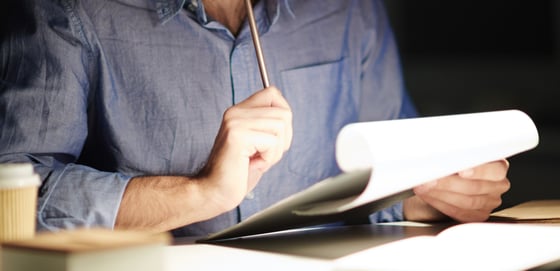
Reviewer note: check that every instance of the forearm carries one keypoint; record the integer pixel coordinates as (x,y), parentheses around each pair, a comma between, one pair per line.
(161,203)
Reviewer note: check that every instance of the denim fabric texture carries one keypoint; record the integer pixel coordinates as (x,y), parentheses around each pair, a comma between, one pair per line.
(97,92)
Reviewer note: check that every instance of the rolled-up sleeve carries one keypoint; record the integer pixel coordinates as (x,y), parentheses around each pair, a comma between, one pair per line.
(75,195)
(45,70)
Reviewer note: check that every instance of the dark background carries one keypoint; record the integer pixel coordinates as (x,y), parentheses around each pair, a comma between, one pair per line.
(470,56)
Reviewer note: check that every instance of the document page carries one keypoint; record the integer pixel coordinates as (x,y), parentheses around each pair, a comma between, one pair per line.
(471,246)
(408,152)
(384,160)
(535,211)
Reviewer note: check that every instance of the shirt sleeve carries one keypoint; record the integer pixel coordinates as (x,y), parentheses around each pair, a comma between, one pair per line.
(44,90)
(382,83)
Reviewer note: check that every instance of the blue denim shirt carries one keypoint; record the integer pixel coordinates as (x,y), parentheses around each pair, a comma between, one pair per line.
(102,91)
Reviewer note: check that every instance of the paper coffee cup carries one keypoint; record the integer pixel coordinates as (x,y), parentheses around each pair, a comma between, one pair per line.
(18,201)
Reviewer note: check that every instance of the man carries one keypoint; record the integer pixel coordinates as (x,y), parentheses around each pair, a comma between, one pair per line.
(143,113)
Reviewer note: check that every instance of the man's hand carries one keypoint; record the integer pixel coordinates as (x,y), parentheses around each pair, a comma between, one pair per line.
(253,136)
(467,196)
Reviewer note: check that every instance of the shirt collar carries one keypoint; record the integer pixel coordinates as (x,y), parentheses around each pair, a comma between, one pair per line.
(167,9)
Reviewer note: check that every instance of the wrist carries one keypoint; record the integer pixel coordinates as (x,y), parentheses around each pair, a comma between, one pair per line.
(415,209)
(215,197)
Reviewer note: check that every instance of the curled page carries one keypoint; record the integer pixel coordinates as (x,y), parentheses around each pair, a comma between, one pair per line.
(408,152)
(384,160)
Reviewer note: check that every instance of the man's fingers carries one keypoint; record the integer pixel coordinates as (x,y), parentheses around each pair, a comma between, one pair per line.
(457,184)
(278,99)
(493,171)
(469,195)
(268,97)
(253,137)
(267,104)
(259,139)
(458,213)
(463,201)
(274,98)
(271,120)
(263,147)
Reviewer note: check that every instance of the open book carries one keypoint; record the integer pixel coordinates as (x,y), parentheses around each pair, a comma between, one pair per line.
(471,246)
(384,160)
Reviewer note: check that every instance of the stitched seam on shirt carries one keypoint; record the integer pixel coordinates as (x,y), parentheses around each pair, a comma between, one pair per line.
(289,9)
(41,209)
(166,10)
(77,25)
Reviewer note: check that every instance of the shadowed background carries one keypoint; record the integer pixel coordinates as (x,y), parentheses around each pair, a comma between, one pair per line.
(470,56)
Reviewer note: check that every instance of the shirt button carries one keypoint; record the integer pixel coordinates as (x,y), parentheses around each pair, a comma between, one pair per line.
(250,195)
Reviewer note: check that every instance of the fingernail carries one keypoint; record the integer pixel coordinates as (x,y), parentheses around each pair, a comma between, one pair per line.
(467,173)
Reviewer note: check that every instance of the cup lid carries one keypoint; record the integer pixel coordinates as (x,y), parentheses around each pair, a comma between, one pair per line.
(15,175)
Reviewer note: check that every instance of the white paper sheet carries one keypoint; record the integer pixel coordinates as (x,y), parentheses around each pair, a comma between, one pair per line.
(408,152)
(472,246)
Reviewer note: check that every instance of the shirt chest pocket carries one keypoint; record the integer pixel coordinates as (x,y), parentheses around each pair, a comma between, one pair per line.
(322,101)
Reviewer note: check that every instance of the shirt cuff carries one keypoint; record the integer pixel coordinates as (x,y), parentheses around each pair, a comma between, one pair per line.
(390,214)
(78,196)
